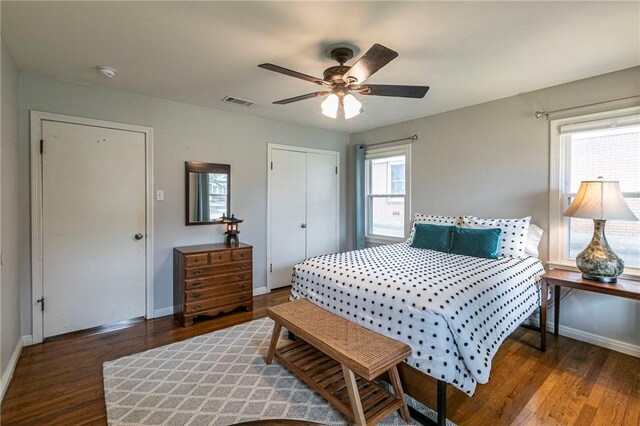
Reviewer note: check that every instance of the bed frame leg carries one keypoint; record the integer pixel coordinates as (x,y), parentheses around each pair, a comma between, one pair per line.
(441,405)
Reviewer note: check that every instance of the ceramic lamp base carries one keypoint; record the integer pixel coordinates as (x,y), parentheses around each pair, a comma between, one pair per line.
(609,280)
(598,262)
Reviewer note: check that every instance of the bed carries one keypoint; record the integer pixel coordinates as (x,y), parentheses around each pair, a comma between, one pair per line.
(453,310)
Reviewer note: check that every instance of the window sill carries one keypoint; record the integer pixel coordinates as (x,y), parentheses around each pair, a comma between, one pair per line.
(631,273)
(384,240)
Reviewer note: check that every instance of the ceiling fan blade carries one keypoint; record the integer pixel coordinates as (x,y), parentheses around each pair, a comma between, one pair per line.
(393,90)
(301,97)
(291,73)
(375,58)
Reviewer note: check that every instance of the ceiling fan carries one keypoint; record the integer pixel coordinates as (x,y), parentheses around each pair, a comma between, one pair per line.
(343,81)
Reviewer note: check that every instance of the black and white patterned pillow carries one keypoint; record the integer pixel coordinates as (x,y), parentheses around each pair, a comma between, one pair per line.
(514,233)
(435,220)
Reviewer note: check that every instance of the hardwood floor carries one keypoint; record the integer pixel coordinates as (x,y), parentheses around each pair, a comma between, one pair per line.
(59,382)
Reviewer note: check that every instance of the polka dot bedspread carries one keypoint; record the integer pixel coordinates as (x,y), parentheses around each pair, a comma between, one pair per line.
(454,311)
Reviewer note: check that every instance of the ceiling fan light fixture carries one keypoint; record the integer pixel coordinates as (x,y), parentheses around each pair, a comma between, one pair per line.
(330,106)
(352,106)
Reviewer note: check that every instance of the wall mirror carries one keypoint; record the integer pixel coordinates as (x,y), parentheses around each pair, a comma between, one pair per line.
(207,192)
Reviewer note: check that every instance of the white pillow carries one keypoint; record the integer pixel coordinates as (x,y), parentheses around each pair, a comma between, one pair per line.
(435,220)
(513,237)
(532,241)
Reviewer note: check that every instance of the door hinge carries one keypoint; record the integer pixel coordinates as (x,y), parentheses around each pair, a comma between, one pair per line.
(41,301)
(272,165)
(41,146)
(271,267)
(336,169)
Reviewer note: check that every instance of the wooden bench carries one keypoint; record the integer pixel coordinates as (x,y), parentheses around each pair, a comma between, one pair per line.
(338,359)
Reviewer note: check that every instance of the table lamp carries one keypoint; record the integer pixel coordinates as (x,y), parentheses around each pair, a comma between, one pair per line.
(600,200)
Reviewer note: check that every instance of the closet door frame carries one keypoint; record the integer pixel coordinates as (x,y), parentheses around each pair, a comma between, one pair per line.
(270,148)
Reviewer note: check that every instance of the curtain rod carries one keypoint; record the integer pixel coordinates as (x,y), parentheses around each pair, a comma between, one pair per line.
(413,139)
(540,114)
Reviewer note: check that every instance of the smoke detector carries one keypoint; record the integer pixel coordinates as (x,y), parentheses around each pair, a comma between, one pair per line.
(106,71)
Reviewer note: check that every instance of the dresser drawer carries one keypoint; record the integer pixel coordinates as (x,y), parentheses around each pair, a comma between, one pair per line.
(196,259)
(216,291)
(198,283)
(218,269)
(218,257)
(216,302)
(244,254)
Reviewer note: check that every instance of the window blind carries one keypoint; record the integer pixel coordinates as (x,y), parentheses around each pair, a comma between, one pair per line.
(392,151)
(608,123)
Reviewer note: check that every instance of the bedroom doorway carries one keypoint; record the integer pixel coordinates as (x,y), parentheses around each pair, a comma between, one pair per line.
(303,208)
(91,223)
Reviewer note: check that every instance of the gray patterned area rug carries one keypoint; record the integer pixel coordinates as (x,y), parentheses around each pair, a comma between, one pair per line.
(218,378)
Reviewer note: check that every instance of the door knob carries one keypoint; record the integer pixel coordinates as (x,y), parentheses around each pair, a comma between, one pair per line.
(303,225)
(138,236)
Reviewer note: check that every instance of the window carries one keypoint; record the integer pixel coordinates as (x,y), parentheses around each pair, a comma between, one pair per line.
(217,195)
(584,148)
(387,204)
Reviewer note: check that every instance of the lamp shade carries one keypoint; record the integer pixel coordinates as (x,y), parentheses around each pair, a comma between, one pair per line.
(600,199)
(330,106)
(351,106)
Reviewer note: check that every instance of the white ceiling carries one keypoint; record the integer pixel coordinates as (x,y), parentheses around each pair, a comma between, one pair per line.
(199,52)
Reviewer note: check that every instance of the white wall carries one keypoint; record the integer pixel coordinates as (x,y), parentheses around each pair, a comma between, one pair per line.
(181,132)
(492,160)
(9,285)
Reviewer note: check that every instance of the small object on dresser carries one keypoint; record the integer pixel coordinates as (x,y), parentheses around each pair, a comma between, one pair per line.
(211,279)
(231,224)
(599,200)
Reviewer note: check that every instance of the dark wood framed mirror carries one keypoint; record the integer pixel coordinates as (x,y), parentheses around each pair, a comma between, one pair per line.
(208,195)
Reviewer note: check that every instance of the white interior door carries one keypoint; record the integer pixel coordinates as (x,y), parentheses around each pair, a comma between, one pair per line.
(322,204)
(93,205)
(303,209)
(287,197)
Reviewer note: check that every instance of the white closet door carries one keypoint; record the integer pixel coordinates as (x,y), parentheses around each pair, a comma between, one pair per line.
(322,204)
(93,206)
(287,196)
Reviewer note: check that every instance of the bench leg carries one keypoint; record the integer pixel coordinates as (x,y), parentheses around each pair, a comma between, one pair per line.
(397,389)
(354,396)
(274,342)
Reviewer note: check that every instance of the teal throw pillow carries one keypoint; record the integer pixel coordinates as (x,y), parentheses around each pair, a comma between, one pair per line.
(432,237)
(476,242)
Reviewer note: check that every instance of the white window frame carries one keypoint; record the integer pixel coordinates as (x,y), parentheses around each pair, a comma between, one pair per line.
(393,151)
(558,197)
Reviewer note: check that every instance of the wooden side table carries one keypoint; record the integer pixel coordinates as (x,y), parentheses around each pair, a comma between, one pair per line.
(628,289)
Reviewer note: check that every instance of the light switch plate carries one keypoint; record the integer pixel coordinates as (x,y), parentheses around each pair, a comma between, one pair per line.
(160,195)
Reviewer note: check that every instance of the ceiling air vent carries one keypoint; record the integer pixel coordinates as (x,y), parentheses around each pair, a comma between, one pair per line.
(238,101)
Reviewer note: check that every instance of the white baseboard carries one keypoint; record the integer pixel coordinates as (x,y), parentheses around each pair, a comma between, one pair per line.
(163,312)
(594,339)
(260,290)
(8,373)
(27,340)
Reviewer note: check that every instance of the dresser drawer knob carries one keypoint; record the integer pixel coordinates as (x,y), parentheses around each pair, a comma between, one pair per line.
(242,287)
(220,257)
(196,260)
(242,276)
(197,272)
(196,307)
(196,295)
(242,266)
(196,284)
(243,297)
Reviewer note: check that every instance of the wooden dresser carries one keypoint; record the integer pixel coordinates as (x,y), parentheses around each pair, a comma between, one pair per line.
(211,279)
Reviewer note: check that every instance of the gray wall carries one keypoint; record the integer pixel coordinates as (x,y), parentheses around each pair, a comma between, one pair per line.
(492,160)
(181,132)
(9,286)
